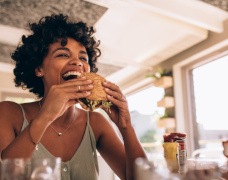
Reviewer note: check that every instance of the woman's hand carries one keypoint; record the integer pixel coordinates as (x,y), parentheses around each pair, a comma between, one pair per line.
(118,112)
(61,97)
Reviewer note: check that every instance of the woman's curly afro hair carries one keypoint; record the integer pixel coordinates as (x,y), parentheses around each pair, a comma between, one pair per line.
(30,53)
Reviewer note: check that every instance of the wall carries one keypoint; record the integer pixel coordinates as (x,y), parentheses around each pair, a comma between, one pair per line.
(7,86)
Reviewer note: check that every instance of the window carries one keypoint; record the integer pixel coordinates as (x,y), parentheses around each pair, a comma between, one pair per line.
(210,87)
(201,104)
(144,115)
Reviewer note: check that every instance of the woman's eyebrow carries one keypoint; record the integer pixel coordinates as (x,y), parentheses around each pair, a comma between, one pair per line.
(61,48)
(66,49)
(83,52)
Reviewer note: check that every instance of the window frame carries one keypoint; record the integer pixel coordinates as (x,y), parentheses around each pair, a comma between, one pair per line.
(183,90)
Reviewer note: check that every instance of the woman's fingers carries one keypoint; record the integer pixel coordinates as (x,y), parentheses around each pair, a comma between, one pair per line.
(74,86)
(111,86)
(76,82)
(78,95)
(78,88)
(121,114)
(113,92)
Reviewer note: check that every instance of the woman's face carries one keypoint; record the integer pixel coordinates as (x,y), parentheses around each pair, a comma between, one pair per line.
(61,60)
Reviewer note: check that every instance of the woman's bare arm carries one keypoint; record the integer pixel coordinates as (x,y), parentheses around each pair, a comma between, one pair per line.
(119,153)
(120,115)
(21,146)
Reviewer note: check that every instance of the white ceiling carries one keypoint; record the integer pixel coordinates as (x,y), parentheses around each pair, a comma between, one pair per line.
(138,34)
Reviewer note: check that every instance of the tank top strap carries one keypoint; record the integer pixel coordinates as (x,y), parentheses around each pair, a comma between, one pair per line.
(92,137)
(23,111)
(87,114)
(93,142)
(25,121)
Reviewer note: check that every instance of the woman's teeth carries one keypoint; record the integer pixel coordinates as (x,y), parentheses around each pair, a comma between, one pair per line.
(71,75)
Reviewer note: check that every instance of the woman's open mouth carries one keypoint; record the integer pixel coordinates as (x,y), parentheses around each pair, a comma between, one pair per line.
(70,75)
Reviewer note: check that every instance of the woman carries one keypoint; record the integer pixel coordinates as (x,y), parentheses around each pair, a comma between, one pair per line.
(53,124)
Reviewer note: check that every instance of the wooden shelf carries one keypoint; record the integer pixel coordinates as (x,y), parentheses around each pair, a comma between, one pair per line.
(166,102)
(164,82)
(168,123)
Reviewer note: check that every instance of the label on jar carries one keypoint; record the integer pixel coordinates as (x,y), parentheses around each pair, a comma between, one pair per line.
(182,152)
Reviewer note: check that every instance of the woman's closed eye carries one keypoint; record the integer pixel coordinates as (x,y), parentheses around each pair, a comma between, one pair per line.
(63,55)
(83,59)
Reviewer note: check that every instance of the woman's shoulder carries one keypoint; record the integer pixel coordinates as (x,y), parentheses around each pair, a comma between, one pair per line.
(8,106)
(100,122)
(97,118)
(10,112)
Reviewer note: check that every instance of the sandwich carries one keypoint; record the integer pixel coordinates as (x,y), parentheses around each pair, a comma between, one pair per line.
(97,98)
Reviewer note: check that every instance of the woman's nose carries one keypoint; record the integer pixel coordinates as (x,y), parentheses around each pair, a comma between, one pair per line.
(76,62)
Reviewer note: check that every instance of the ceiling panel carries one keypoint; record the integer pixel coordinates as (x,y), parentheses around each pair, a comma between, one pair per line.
(133,36)
(15,16)
(18,13)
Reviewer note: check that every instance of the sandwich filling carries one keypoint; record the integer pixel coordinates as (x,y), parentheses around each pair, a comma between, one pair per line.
(94,104)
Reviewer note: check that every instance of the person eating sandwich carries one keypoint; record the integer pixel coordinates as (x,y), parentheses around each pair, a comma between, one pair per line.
(52,62)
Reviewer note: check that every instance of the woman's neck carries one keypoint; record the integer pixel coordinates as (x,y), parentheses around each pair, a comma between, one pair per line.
(67,117)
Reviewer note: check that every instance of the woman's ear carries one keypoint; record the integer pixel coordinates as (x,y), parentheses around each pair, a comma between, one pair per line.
(39,72)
